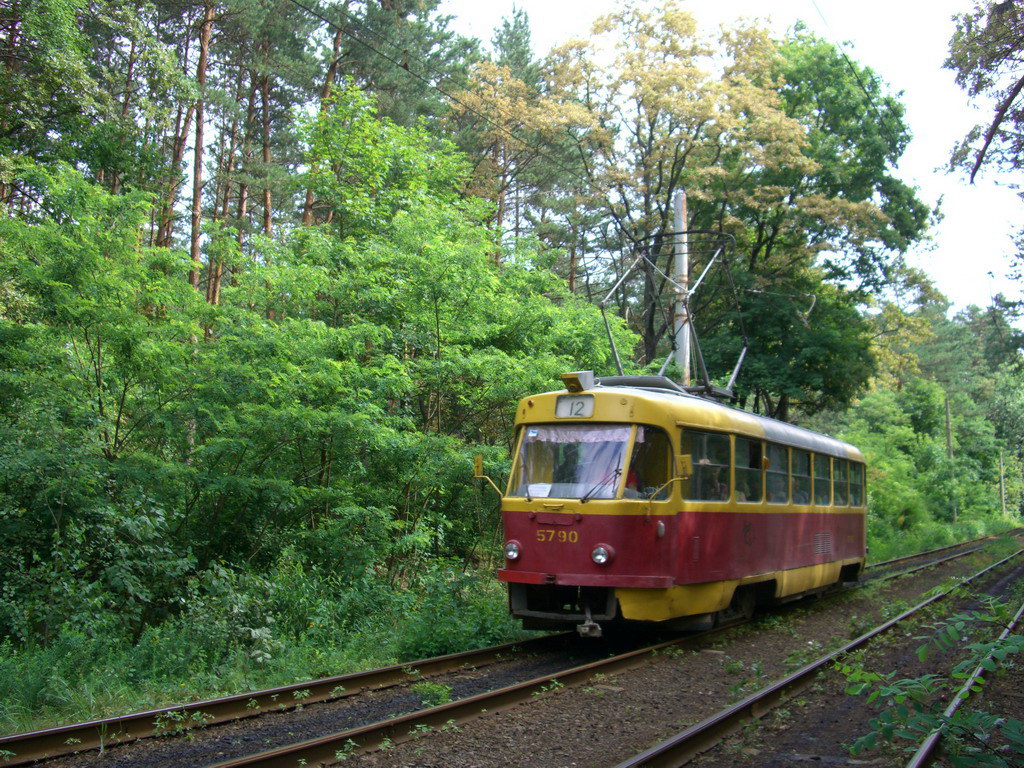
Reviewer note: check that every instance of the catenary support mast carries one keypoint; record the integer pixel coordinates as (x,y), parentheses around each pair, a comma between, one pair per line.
(681,324)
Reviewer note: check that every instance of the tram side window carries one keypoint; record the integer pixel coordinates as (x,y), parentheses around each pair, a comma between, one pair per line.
(650,467)
(840,481)
(801,477)
(778,474)
(856,485)
(710,454)
(822,480)
(748,470)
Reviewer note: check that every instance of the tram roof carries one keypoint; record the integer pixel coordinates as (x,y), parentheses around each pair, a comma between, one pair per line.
(689,405)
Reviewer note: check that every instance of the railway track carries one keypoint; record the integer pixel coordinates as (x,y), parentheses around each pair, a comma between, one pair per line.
(706,734)
(112,731)
(101,734)
(936,555)
(924,754)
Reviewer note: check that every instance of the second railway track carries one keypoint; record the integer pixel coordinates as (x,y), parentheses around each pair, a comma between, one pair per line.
(685,745)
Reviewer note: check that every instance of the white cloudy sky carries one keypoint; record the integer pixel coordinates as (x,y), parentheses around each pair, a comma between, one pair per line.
(905,43)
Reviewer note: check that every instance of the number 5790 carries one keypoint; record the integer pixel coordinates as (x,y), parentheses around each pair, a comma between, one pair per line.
(550,534)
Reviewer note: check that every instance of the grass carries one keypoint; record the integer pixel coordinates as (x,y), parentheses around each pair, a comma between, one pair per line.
(80,676)
(885,543)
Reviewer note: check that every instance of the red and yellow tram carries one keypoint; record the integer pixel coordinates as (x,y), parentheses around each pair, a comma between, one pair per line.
(631,499)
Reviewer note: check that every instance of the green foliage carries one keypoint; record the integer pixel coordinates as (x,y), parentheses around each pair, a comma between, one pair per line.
(855,151)
(924,489)
(817,363)
(367,169)
(176,722)
(552,687)
(432,694)
(912,708)
(451,609)
(984,54)
(217,493)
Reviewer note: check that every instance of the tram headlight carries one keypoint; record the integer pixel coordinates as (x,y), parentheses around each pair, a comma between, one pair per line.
(512,550)
(602,554)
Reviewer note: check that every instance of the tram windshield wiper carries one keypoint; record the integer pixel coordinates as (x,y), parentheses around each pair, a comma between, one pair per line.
(610,477)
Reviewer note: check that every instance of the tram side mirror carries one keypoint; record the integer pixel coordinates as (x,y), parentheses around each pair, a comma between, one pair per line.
(684,466)
(478,473)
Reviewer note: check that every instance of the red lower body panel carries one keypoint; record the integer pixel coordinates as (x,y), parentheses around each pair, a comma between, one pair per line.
(657,551)
(730,545)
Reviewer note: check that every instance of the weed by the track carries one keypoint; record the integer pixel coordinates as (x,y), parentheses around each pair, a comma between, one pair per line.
(432,694)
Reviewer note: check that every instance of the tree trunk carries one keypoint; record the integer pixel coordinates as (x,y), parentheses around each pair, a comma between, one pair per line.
(782,408)
(650,315)
(332,73)
(268,220)
(182,128)
(499,215)
(229,166)
(197,162)
(572,267)
(213,265)
(222,199)
(243,186)
(115,185)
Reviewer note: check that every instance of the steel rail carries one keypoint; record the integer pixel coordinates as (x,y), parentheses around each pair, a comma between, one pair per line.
(330,749)
(980,540)
(916,568)
(904,558)
(684,746)
(97,734)
(927,749)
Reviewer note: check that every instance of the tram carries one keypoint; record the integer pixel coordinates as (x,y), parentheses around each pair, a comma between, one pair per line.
(633,500)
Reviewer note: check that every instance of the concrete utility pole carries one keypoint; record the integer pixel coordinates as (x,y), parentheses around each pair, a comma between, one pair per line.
(681,324)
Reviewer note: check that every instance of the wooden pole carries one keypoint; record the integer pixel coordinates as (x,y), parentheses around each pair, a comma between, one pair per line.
(949,453)
(1002,483)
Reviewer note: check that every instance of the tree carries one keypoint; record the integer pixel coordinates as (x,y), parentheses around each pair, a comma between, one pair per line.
(984,52)
(654,132)
(510,128)
(88,86)
(96,353)
(776,147)
(844,204)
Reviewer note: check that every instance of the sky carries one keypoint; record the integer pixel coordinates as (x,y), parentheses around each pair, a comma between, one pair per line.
(905,43)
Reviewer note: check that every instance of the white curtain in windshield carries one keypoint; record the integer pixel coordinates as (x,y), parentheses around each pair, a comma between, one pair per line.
(571,460)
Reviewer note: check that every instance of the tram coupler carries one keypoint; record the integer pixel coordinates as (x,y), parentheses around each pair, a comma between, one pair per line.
(589,628)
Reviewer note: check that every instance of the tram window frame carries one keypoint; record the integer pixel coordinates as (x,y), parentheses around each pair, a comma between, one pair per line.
(512,484)
(822,483)
(803,483)
(781,472)
(707,474)
(749,470)
(662,488)
(840,483)
(857,488)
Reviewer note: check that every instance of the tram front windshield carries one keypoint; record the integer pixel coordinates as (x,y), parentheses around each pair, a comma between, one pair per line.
(571,461)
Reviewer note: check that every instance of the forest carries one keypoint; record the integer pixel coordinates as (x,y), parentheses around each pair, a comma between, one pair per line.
(273,271)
